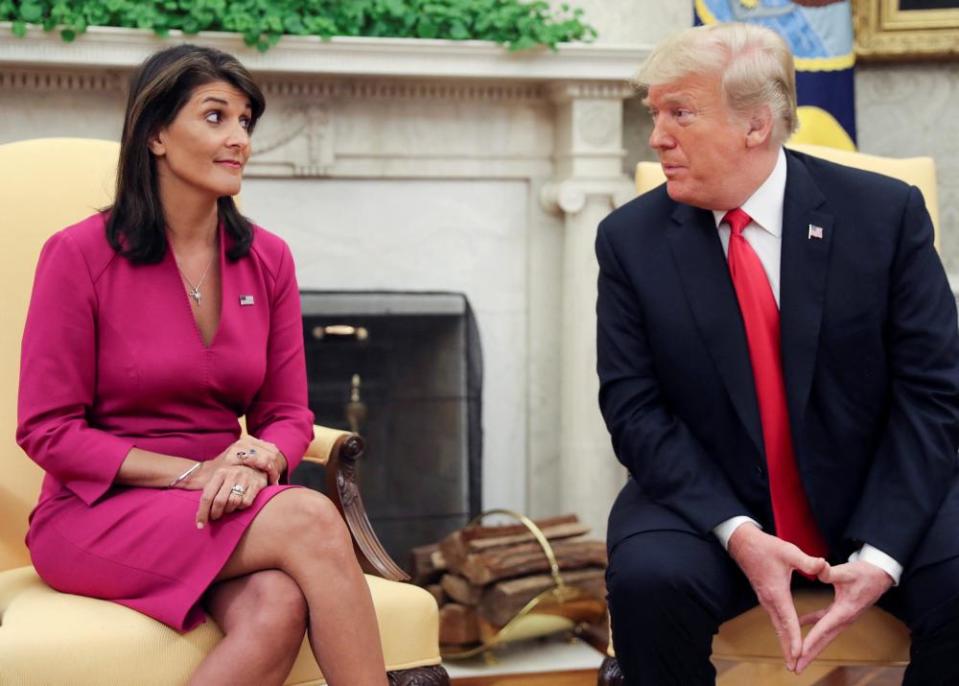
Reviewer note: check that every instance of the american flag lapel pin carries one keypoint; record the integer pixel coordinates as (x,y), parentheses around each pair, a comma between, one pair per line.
(246,300)
(814,232)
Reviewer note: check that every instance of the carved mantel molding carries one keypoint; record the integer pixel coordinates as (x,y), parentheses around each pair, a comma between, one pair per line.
(117,48)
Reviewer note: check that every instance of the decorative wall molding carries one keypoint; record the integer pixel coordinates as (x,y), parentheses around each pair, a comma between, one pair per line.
(569,197)
(93,79)
(576,90)
(42,80)
(298,142)
(405,89)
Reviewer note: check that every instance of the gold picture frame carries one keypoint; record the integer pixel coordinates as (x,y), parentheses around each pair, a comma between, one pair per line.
(886,31)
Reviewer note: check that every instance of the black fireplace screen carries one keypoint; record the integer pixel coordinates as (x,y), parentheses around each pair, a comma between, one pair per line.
(405,371)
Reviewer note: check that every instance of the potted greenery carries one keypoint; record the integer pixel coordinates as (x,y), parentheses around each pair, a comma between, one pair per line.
(516,24)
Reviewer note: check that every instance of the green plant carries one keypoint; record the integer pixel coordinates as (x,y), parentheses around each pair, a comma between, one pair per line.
(514,23)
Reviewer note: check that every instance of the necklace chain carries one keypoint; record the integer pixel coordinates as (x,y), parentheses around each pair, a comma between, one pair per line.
(194,291)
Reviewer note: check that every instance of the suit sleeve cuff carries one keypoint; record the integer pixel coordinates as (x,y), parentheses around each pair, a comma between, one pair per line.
(724,530)
(876,557)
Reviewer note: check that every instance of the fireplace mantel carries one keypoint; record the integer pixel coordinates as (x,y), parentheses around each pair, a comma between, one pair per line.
(118,48)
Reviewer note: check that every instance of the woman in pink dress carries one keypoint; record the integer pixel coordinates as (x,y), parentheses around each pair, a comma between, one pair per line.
(152,327)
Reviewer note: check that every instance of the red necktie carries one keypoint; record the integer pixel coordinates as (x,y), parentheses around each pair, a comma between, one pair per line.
(791,512)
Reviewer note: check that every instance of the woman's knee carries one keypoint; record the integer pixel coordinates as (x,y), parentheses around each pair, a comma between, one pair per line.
(313,525)
(273,606)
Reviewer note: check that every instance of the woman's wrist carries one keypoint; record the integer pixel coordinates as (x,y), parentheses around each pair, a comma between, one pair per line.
(184,478)
(197,480)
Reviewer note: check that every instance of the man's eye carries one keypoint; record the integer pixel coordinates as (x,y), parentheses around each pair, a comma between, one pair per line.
(683,115)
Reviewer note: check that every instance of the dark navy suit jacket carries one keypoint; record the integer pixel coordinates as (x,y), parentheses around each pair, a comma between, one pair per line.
(870,357)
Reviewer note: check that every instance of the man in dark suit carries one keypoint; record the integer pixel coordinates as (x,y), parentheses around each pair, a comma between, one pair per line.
(779,371)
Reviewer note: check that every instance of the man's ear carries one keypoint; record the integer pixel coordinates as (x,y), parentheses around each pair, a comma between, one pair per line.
(760,127)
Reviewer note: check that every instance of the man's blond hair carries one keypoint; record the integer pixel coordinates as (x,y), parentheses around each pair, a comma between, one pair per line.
(753,63)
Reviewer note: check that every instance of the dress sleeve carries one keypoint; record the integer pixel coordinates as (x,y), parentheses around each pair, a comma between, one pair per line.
(280,413)
(58,376)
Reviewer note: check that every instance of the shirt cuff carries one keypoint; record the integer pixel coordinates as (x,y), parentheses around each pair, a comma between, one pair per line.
(724,530)
(876,557)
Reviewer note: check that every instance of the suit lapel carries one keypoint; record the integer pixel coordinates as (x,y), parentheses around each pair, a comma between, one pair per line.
(805,261)
(699,257)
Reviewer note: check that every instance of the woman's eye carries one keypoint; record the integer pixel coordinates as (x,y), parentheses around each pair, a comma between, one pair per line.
(245,122)
(213,117)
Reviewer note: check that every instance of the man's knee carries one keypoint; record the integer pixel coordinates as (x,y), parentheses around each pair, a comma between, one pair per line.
(641,577)
(668,593)
(661,568)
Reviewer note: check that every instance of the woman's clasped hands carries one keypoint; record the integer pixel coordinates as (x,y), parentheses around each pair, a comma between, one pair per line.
(233,478)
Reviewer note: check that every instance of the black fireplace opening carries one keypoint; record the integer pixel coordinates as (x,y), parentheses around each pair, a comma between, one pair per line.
(405,371)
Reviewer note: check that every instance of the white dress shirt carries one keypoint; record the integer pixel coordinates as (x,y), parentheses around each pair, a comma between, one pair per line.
(764,235)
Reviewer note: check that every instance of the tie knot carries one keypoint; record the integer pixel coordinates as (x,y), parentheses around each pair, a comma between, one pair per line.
(737,220)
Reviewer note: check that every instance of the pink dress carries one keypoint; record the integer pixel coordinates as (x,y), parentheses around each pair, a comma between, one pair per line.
(112,358)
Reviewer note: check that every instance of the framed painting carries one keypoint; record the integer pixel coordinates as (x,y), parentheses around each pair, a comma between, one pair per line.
(906,29)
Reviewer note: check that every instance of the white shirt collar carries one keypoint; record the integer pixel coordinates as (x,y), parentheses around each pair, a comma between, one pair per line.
(765,206)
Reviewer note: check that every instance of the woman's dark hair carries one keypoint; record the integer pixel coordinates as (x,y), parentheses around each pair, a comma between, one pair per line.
(158,91)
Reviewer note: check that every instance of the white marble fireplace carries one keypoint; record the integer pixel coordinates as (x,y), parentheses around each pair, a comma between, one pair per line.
(419,165)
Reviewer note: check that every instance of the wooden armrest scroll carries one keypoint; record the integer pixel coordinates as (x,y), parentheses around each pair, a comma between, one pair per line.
(340,451)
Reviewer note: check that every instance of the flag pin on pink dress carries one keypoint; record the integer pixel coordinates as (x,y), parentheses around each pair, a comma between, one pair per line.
(248,299)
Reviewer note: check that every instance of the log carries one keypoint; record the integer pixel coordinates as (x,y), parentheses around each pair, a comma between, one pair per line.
(458,625)
(491,565)
(427,563)
(438,593)
(494,531)
(459,544)
(460,589)
(503,600)
(551,532)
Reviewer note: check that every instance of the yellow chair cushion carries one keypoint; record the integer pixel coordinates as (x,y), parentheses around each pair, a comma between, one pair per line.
(876,638)
(48,637)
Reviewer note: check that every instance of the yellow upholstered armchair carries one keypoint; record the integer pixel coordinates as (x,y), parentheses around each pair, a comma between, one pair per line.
(51,638)
(877,638)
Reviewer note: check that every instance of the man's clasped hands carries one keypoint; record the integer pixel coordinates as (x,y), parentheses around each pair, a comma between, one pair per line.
(768,562)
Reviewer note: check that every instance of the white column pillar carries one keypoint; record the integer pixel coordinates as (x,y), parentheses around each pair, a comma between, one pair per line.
(589,183)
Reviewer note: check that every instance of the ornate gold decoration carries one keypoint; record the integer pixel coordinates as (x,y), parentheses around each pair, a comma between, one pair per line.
(885,31)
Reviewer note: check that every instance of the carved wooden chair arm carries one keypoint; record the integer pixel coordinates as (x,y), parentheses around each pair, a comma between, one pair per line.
(339,451)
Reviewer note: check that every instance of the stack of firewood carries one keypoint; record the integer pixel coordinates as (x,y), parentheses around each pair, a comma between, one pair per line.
(484,575)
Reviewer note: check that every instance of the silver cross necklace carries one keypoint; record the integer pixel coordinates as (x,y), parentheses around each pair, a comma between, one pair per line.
(194,291)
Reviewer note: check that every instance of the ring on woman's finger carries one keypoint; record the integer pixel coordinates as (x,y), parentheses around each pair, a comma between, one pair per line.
(238,489)
(241,454)
(252,451)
